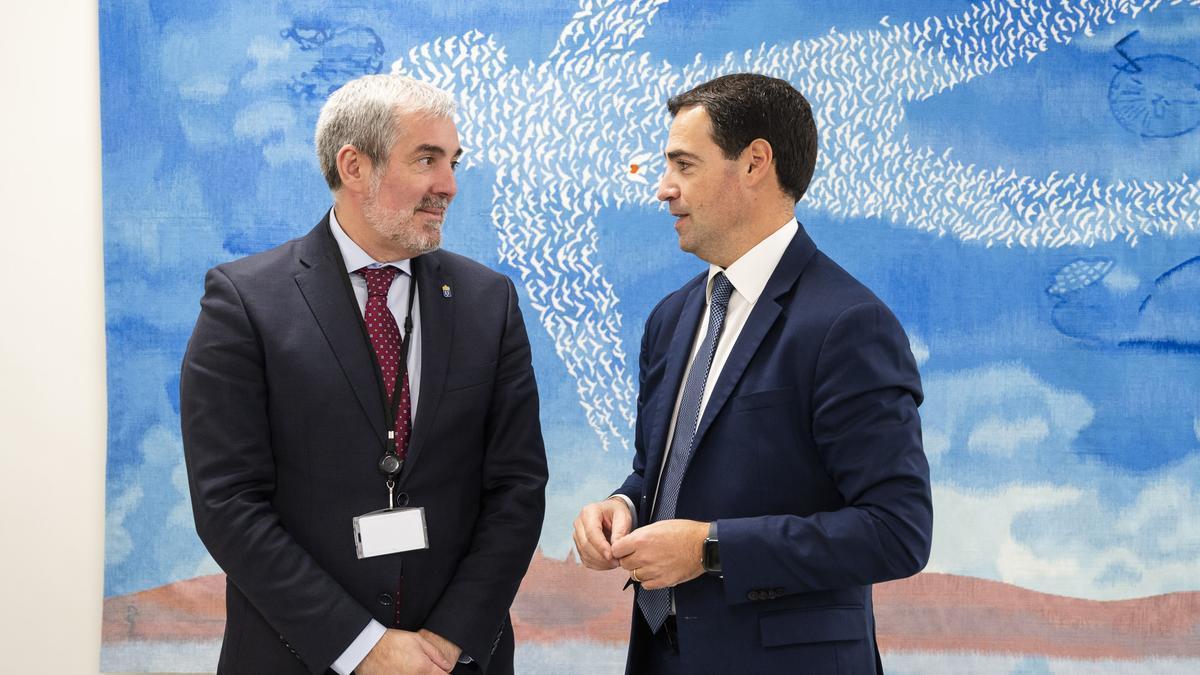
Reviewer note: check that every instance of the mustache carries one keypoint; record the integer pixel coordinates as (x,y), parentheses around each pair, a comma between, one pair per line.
(433,203)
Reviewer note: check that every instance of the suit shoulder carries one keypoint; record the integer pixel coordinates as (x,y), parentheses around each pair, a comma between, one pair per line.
(464,268)
(280,258)
(837,289)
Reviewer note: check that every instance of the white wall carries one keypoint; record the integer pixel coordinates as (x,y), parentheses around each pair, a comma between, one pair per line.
(52,397)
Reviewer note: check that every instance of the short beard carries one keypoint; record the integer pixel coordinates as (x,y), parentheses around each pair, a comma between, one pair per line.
(397,225)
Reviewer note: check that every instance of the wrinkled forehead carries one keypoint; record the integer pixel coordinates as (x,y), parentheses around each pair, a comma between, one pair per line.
(419,129)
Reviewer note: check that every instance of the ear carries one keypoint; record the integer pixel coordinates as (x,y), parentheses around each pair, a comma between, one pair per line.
(355,169)
(759,160)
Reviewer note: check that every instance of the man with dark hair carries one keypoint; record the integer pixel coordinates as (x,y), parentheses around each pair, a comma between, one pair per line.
(360,419)
(779,470)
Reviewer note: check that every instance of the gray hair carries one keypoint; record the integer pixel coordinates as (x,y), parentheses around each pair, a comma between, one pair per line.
(364,113)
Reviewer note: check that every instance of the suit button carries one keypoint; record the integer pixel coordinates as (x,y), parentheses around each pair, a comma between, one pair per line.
(384,599)
(752,595)
(779,591)
(402,499)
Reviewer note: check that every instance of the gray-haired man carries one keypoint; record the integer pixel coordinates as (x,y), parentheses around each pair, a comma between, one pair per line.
(360,418)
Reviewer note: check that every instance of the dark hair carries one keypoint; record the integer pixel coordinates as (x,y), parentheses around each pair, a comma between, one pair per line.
(746,106)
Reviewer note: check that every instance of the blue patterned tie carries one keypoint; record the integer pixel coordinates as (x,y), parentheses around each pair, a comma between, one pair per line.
(656,604)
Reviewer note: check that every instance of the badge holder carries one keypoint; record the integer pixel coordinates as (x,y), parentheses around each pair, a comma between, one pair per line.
(392,530)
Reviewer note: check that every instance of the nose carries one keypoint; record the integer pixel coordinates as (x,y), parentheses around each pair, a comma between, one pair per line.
(447,184)
(667,190)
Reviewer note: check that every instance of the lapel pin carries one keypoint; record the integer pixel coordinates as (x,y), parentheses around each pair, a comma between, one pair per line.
(446,291)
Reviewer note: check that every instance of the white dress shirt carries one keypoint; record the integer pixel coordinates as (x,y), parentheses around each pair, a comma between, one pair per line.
(749,275)
(397,302)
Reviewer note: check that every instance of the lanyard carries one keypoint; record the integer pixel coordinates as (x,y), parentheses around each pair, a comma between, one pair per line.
(390,464)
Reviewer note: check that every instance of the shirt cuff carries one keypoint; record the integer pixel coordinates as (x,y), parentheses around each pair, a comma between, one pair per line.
(358,650)
(632,511)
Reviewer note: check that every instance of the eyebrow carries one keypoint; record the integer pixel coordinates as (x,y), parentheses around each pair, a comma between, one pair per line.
(436,150)
(682,154)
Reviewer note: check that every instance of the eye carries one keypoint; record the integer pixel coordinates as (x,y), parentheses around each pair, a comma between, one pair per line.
(426,161)
(454,164)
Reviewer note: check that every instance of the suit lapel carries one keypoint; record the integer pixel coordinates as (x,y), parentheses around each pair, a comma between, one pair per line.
(766,311)
(324,290)
(678,352)
(437,330)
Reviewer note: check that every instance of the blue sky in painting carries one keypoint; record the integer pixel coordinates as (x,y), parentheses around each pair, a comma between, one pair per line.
(1062,418)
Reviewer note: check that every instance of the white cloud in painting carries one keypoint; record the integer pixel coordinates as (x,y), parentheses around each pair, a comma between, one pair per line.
(995,436)
(1069,541)
(1003,410)
(972,529)
(273,124)
(162,453)
(1061,522)
(166,508)
(936,443)
(920,350)
(261,119)
(270,56)
(204,88)
(1165,517)
(118,544)
(1149,547)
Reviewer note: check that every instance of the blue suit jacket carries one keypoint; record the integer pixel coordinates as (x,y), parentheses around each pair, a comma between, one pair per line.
(283,424)
(808,455)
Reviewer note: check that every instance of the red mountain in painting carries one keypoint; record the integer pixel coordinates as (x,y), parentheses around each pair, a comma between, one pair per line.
(560,600)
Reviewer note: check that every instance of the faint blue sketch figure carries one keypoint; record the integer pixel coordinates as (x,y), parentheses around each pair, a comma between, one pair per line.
(1155,96)
(1079,274)
(1099,305)
(580,132)
(341,53)
(1086,308)
(1169,317)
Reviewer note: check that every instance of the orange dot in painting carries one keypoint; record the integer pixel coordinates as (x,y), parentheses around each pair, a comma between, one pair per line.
(633,168)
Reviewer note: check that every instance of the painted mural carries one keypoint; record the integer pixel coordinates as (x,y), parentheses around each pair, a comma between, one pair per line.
(1017,179)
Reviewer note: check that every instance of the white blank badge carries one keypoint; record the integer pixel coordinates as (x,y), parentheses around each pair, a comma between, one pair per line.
(390,531)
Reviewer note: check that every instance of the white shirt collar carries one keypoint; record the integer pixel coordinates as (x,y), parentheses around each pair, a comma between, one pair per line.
(750,273)
(355,257)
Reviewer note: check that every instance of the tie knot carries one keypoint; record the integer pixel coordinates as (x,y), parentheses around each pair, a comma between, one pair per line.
(379,279)
(721,290)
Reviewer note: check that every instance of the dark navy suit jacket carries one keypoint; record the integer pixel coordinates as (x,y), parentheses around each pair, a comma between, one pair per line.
(283,425)
(808,454)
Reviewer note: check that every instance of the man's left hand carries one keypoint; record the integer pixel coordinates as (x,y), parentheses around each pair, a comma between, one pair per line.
(662,554)
(448,649)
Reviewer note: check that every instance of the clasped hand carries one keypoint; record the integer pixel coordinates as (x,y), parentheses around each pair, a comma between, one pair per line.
(658,555)
(400,651)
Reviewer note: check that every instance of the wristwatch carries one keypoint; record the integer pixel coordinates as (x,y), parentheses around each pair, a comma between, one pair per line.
(711,558)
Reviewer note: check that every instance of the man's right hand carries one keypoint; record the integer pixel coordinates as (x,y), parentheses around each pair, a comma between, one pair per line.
(400,651)
(598,526)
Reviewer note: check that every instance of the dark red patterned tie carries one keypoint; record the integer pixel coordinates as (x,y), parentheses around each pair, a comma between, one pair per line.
(386,340)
